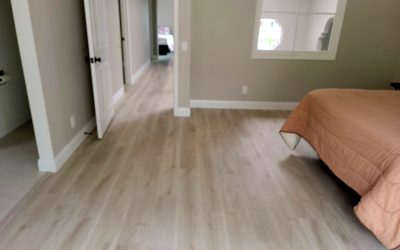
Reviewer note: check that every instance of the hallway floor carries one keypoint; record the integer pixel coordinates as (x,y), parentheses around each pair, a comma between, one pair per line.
(222,179)
(18,167)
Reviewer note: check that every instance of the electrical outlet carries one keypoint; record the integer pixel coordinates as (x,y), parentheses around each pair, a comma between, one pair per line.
(72,121)
(245,90)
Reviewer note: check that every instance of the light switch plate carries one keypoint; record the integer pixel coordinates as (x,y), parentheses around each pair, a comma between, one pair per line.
(245,90)
(72,121)
(185,46)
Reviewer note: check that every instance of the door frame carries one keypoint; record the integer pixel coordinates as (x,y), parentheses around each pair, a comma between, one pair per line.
(127,54)
(126,35)
(153,19)
(34,87)
(176,58)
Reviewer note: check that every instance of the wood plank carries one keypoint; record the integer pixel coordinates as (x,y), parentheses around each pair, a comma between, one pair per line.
(222,179)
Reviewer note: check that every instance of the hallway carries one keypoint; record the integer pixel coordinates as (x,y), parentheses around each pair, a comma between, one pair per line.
(221,179)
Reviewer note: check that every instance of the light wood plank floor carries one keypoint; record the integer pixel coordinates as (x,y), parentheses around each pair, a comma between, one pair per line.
(219,180)
(18,167)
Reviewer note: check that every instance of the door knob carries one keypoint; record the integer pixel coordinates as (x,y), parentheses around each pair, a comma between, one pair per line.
(89,60)
(93,60)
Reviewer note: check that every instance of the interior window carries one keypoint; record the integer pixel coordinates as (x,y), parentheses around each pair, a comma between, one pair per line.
(298,29)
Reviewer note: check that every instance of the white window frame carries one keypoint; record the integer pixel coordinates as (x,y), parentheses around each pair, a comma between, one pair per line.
(329,55)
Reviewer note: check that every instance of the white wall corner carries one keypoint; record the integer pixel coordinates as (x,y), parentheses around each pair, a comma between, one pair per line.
(248,105)
(182,112)
(135,77)
(118,96)
(53,165)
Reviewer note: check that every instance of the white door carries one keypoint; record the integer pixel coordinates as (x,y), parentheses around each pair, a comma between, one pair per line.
(99,50)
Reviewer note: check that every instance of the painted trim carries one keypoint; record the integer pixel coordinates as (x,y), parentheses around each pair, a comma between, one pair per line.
(329,55)
(125,32)
(182,112)
(53,165)
(33,77)
(176,58)
(140,72)
(153,8)
(117,96)
(49,166)
(248,105)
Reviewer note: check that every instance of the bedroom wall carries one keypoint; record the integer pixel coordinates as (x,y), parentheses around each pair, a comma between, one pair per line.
(153,29)
(61,44)
(139,27)
(185,57)
(165,13)
(14,108)
(397,74)
(222,33)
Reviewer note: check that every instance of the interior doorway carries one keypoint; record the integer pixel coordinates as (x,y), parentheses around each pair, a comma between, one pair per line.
(123,39)
(18,150)
(163,27)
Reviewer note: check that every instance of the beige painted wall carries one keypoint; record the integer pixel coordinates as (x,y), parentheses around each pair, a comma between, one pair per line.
(139,26)
(222,33)
(60,37)
(114,36)
(397,74)
(153,29)
(165,13)
(185,58)
(14,108)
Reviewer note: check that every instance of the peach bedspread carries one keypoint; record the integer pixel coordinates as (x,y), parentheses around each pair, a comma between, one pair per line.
(357,134)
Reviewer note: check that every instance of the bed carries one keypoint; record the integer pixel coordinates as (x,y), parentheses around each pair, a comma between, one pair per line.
(357,134)
(165,41)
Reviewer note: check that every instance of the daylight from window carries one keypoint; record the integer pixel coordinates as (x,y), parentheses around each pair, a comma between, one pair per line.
(270,35)
(297,29)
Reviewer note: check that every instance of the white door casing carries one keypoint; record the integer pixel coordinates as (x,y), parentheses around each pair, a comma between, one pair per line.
(96,22)
(125,33)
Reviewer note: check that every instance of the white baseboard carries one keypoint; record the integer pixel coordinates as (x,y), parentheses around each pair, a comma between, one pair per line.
(248,105)
(182,112)
(140,72)
(53,165)
(117,96)
(47,166)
